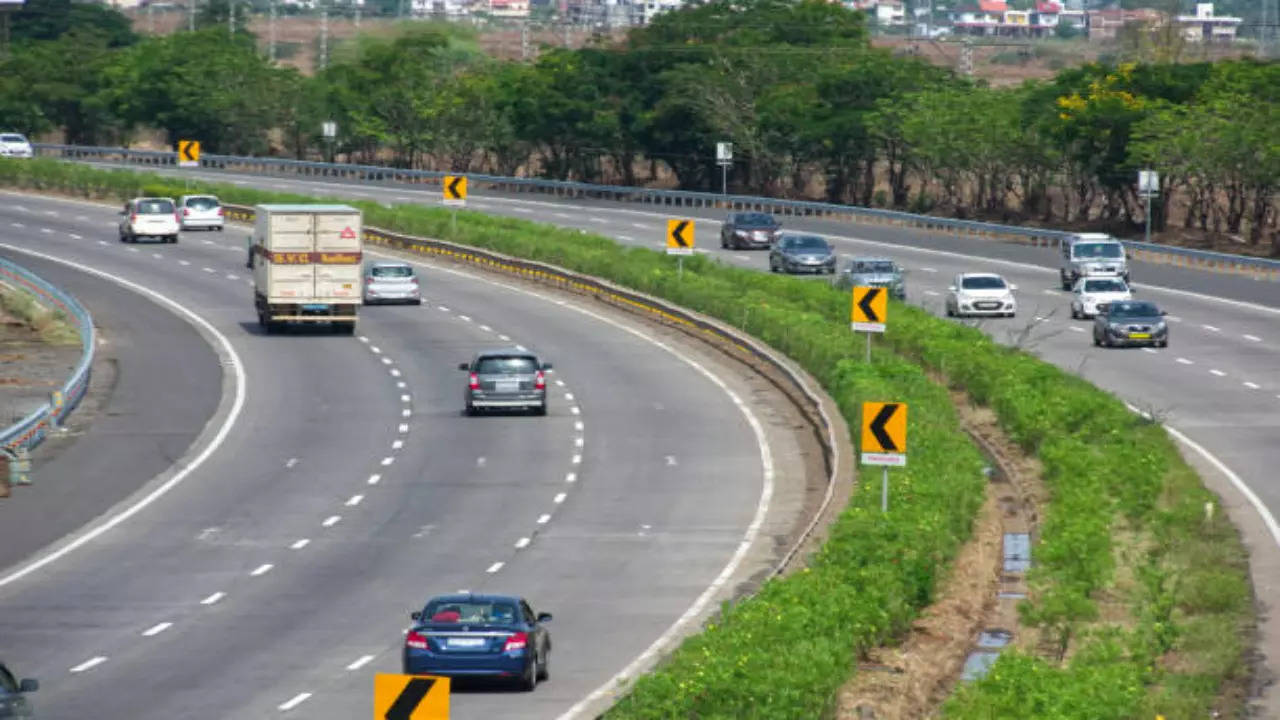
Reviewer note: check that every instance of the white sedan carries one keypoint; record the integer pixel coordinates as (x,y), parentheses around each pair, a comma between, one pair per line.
(1092,295)
(981,294)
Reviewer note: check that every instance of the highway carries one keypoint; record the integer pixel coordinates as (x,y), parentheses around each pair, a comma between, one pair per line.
(343,487)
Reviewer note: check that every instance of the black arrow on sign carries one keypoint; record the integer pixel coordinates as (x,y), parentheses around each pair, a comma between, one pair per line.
(403,707)
(453,188)
(678,233)
(877,427)
(865,304)
(186,151)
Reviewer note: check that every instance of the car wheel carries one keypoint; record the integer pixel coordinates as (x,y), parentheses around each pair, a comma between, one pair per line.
(1162,344)
(724,244)
(469,410)
(544,667)
(1096,340)
(540,410)
(529,682)
(1075,315)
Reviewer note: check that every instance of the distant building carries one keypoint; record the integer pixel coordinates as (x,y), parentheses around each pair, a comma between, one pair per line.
(1205,27)
(1106,24)
(509,8)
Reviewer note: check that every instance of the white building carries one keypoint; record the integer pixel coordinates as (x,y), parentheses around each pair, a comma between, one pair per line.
(1205,27)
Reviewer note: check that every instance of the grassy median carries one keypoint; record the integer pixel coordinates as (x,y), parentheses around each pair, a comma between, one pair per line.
(1124,526)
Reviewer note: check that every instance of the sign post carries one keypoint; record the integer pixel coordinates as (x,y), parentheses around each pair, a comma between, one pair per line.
(868,313)
(884,441)
(329,129)
(680,242)
(1148,186)
(455,196)
(724,158)
(410,697)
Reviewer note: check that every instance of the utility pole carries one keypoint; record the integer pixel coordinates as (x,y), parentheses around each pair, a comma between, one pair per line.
(566,33)
(231,18)
(966,58)
(400,10)
(271,30)
(524,39)
(324,36)
(151,18)
(357,18)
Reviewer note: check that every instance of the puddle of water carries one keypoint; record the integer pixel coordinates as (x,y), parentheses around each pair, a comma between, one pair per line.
(1017,552)
(977,664)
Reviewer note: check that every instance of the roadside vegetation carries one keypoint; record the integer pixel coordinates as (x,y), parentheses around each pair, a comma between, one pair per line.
(1141,604)
(53,327)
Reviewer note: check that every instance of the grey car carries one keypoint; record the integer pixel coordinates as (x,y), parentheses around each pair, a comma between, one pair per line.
(749,230)
(13,700)
(1131,322)
(506,379)
(802,254)
(387,282)
(874,272)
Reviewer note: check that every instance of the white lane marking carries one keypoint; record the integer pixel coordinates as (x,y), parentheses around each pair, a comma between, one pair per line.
(600,220)
(575,410)
(560,383)
(387,461)
(401,385)
(209,270)
(504,338)
(1185,361)
(1251,385)
(1076,329)
(578,442)
(568,396)
(571,477)
(1219,373)
(334,519)
(401,198)
(577,425)
(375,349)
(157,256)
(17,224)
(374,478)
(480,461)
(1150,350)
(1047,291)
(559,498)
(184,262)
(232,276)
(522,210)
(386,361)
(395,372)
(294,702)
(354,501)
(626,238)
(262,569)
(1211,328)
(50,212)
(364,339)
(931,293)
(90,663)
(102,242)
(298,545)
(397,444)
(671,460)
(291,462)
(23,208)
(543,519)
(1253,338)
(403,427)
(562,216)
(157,629)
(1173,318)
(360,662)
(522,543)
(486,328)
(464,318)
(48,231)
(522,348)
(577,459)
(406,413)
(495,567)
(213,598)
(929,269)
(405,398)
(74,236)
(134,250)
(443,308)
(641,226)
(182,471)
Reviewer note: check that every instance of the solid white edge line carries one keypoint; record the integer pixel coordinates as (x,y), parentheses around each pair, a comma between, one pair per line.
(1267,518)
(294,702)
(237,368)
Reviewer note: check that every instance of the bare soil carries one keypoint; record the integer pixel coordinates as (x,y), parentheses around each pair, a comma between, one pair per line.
(30,368)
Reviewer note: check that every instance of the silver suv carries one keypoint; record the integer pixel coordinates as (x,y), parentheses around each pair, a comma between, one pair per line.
(507,379)
(874,272)
(1091,255)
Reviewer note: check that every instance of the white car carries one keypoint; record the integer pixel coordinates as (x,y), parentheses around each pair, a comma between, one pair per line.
(981,294)
(14,145)
(149,217)
(201,211)
(1092,295)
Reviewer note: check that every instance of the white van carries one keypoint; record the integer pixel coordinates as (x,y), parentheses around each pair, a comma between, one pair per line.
(1091,255)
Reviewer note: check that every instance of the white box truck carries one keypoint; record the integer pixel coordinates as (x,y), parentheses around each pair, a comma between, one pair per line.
(307,265)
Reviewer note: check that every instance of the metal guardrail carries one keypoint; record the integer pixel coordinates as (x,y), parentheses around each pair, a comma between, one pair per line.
(32,429)
(1255,267)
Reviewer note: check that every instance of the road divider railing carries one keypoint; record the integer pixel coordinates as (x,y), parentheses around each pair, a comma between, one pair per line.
(1255,267)
(31,430)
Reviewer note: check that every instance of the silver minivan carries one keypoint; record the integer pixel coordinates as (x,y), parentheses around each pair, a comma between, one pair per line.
(505,379)
(1091,255)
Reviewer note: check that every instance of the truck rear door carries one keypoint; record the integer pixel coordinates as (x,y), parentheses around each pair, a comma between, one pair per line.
(338,257)
(289,244)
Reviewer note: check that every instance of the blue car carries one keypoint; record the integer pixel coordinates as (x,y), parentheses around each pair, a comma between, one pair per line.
(479,636)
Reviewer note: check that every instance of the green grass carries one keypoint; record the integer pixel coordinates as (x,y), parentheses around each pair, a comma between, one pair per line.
(784,652)
(52,325)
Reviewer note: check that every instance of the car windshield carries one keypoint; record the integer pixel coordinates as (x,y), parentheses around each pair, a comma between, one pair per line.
(1098,250)
(7,683)
(12,138)
(807,242)
(983,282)
(506,366)
(202,203)
(873,266)
(1104,286)
(393,271)
(1133,310)
(754,220)
(155,207)
(481,612)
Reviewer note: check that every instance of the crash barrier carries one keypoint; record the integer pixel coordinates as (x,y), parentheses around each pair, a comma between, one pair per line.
(1255,267)
(793,382)
(31,430)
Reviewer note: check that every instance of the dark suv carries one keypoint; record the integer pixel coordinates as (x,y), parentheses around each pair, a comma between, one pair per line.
(749,230)
(13,701)
(511,379)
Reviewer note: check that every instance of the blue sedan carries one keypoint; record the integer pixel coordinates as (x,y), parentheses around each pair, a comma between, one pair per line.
(479,636)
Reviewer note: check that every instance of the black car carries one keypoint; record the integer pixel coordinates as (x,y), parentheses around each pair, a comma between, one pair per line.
(1130,322)
(749,230)
(467,635)
(13,700)
(505,379)
(802,254)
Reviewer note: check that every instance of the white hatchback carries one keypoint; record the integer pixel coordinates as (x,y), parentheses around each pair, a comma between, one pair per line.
(15,145)
(981,294)
(200,211)
(149,217)
(1092,295)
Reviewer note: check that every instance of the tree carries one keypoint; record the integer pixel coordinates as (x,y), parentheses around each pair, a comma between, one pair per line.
(52,19)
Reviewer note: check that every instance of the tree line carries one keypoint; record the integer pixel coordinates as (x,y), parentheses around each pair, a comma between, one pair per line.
(812,109)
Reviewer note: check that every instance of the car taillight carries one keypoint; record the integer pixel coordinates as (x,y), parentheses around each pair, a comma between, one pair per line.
(186,212)
(475,382)
(415,640)
(219,211)
(518,641)
(368,280)
(413,279)
(541,382)
(133,218)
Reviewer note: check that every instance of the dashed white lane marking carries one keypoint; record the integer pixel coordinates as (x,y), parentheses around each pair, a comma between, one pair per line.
(364,339)
(522,543)
(401,385)
(577,459)
(134,250)
(1211,328)
(575,410)
(386,361)
(626,238)
(464,318)
(157,629)
(298,545)
(578,442)
(213,598)
(395,372)
(354,501)
(1185,361)
(931,293)
(742,258)
(375,349)
(504,338)
(387,461)
(1173,318)
(406,413)
(571,477)
(522,348)
(486,328)
(403,427)
(578,425)
(294,702)
(562,216)
(47,231)
(1219,373)
(374,478)
(1150,350)
(1047,291)
(600,220)
(209,270)
(102,242)
(480,461)
(232,276)
(568,396)
(560,383)
(930,270)
(334,519)
(262,569)
(544,519)
(360,662)
(291,462)
(17,225)
(671,460)
(401,198)
(184,262)
(405,398)
(442,308)
(1251,385)
(90,663)
(157,256)
(559,498)
(495,567)
(50,212)
(642,226)
(1253,338)
(1076,329)
(397,444)
(74,236)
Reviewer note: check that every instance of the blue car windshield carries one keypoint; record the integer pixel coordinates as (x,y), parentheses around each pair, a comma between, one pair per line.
(474,612)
